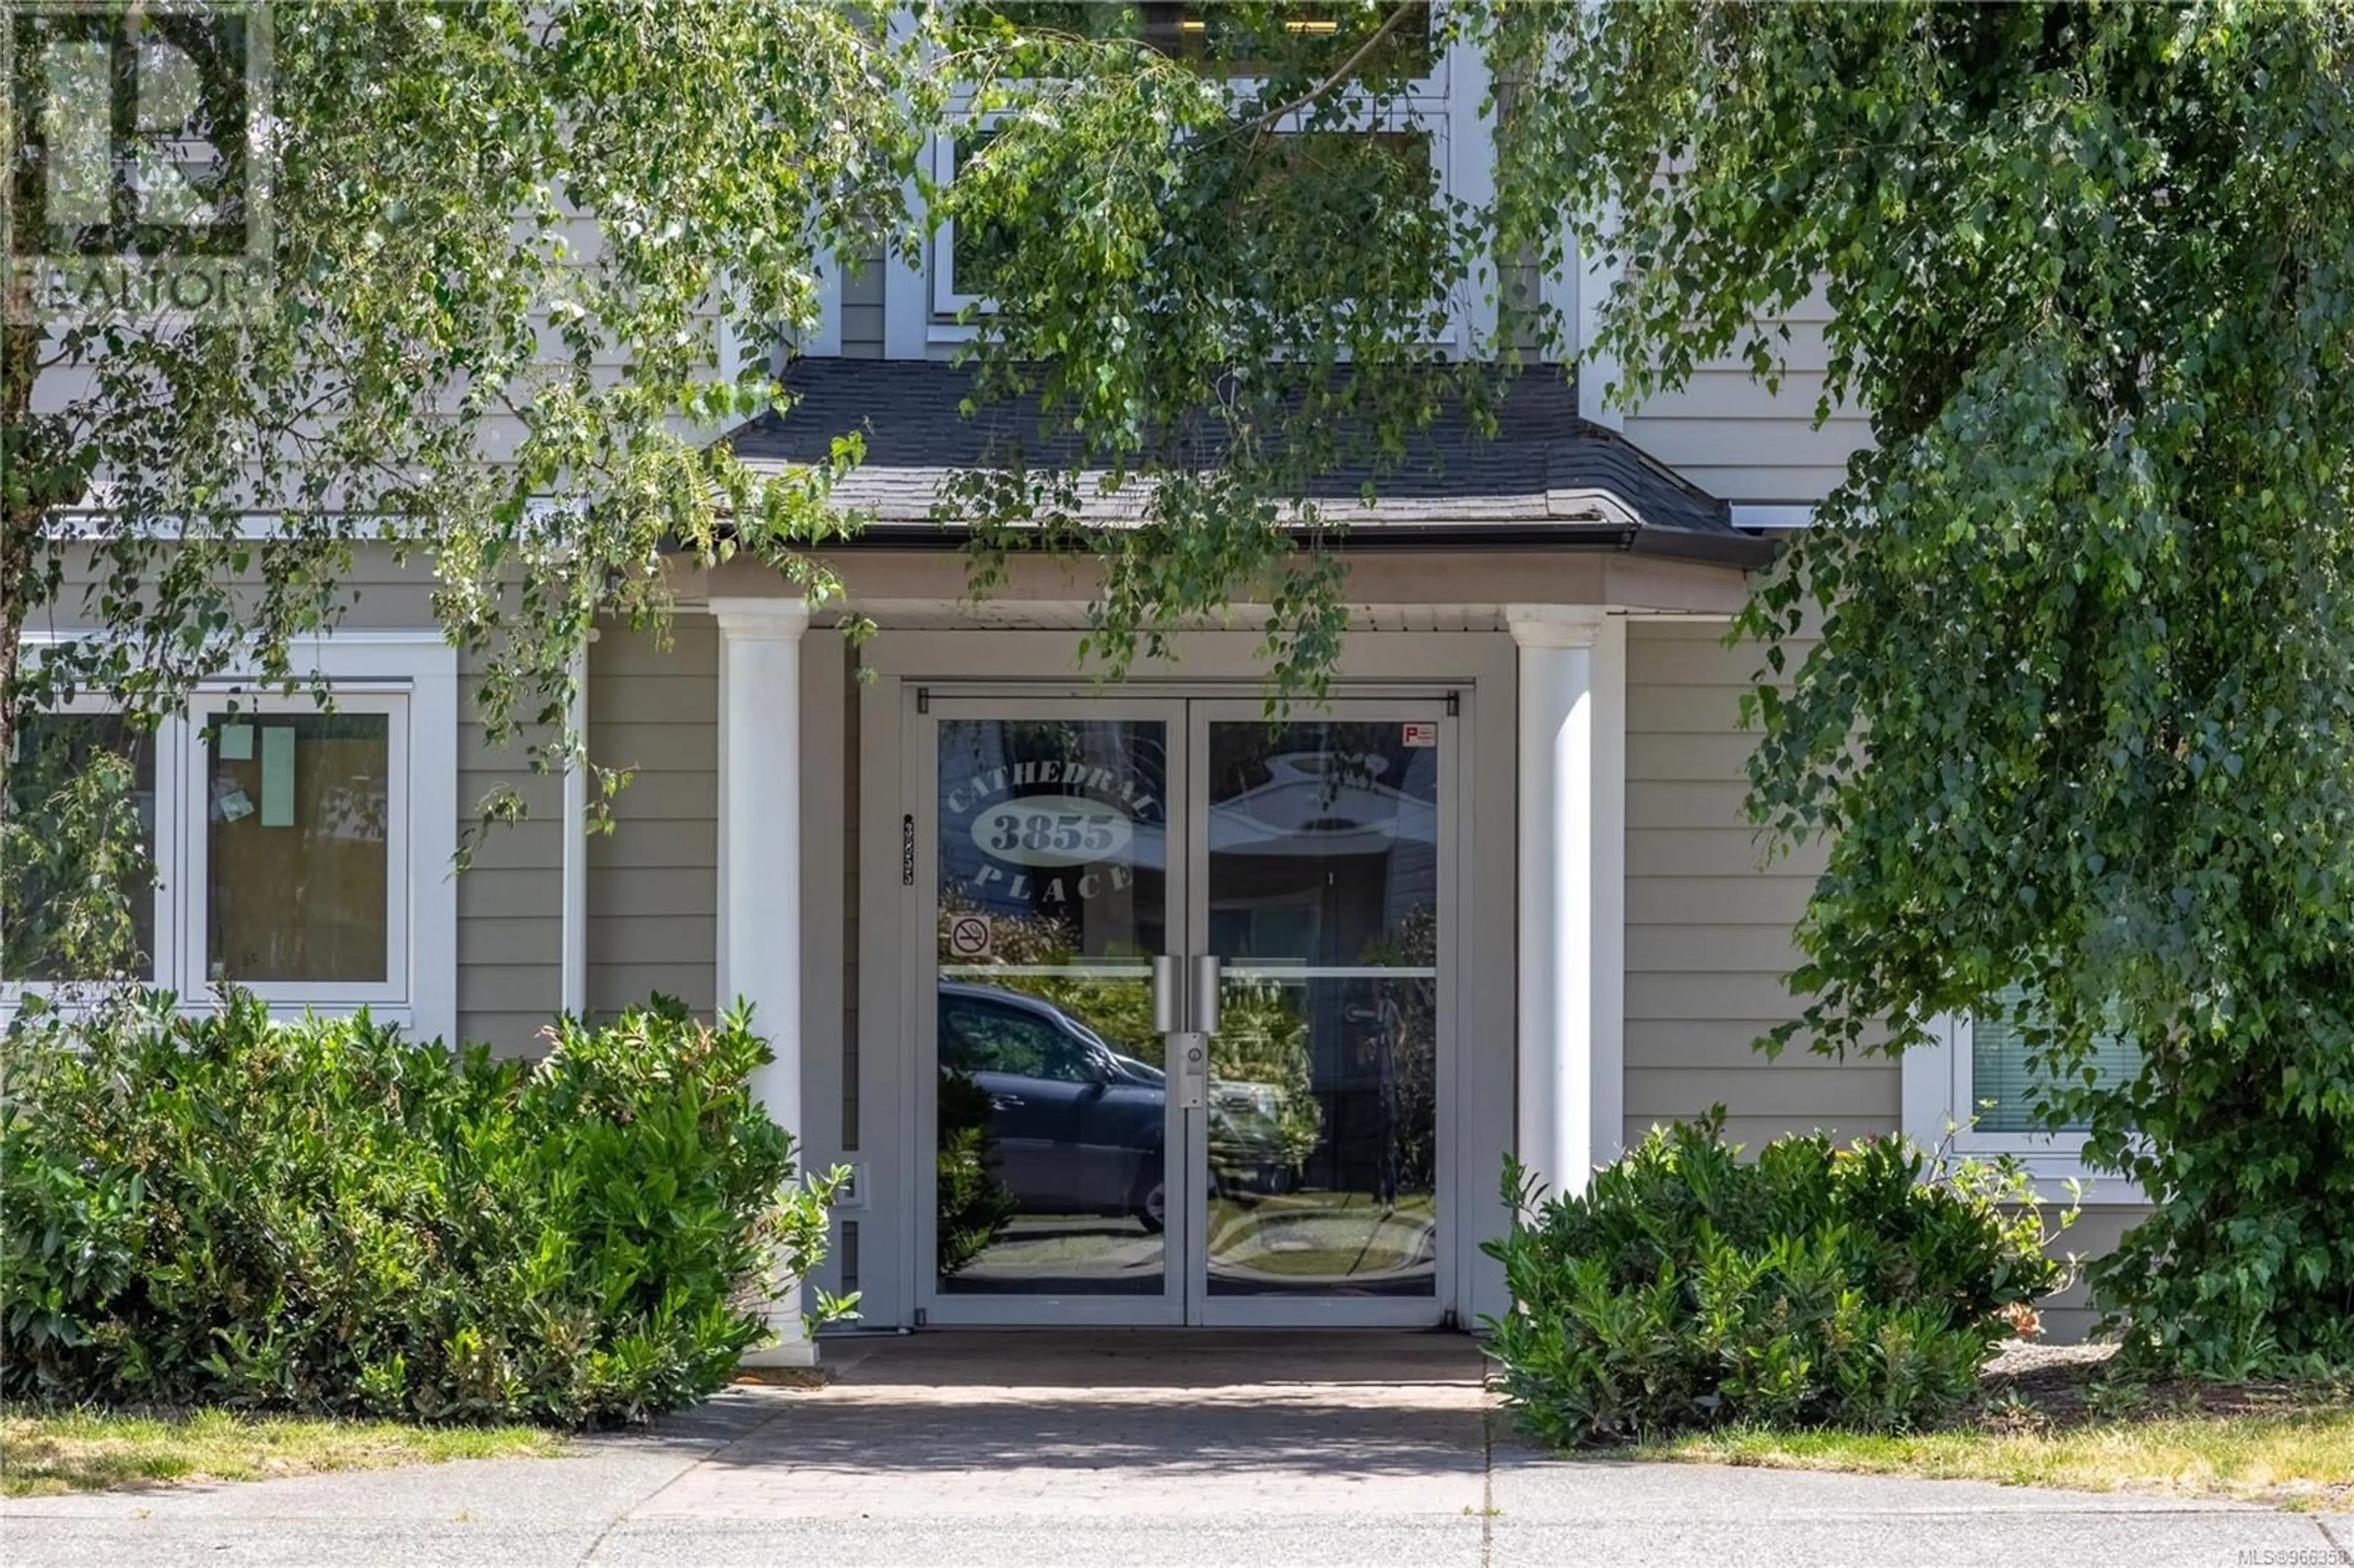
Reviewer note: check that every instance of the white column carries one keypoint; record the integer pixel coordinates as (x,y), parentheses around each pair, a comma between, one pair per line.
(759,959)
(1573,812)
(572,955)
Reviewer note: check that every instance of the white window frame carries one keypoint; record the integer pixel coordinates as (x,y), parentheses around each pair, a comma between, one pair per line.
(1939,1093)
(196,958)
(947,301)
(411,674)
(921,302)
(165,851)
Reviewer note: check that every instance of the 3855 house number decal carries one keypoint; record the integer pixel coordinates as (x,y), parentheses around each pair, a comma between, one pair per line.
(1052,831)
(1049,831)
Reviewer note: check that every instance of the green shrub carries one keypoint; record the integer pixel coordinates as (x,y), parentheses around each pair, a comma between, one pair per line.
(1818,1286)
(322,1215)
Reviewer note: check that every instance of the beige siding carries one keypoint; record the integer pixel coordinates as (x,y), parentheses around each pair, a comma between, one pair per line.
(1709,916)
(386,593)
(1708,920)
(1732,437)
(2069,1315)
(653,912)
(511,900)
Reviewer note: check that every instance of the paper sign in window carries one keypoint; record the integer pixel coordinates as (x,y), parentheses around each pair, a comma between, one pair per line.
(278,776)
(236,742)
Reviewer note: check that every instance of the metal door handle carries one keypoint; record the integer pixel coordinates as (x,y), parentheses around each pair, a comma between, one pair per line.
(1006,1102)
(1205,993)
(1164,995)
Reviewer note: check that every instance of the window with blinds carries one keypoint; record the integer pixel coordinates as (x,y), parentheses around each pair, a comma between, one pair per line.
(2004,1087)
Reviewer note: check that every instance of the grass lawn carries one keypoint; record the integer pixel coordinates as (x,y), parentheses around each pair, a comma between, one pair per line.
(44,1452)
(2060,1424)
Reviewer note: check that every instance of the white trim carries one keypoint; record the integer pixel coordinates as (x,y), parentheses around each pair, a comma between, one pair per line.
(1936,1095)
(433,845)
(1772,515)
(1572,898)
(1554,625)
(365,528)
(572,953)
(759,877)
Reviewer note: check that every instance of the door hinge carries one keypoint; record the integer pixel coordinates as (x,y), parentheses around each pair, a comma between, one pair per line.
(923,699)
(1453,704)
(920,1316)
(908,850)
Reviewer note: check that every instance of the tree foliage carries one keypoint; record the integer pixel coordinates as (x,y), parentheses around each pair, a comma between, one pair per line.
(1221,274)
(476,214)
(2066,670)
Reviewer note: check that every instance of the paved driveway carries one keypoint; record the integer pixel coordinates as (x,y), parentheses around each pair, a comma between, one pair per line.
(1269,1450)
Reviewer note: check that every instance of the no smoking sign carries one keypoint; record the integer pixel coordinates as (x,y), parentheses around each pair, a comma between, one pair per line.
(969,937)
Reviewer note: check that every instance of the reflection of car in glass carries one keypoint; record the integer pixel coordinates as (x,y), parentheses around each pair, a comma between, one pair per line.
(1078,1125)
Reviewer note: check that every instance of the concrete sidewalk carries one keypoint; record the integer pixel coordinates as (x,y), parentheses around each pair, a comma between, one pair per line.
(1284,1451)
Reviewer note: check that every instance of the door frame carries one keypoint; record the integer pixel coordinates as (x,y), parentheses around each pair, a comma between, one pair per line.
(1478,667)
(919,795)
(1186,711)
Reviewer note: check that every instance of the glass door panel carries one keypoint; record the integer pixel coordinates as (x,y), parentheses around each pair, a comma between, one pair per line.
(1322,901)
(1051,1115)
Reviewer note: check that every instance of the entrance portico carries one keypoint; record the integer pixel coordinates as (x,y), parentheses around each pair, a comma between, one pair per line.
(1526,993)
(1209,1018)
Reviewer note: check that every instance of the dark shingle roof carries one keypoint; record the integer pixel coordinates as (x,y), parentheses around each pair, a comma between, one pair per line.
(1547,477)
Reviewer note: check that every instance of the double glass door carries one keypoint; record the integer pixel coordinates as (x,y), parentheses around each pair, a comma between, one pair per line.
(1184,1023)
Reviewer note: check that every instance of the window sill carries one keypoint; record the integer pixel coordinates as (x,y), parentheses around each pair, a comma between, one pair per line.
(2050,1167)
(397,1013)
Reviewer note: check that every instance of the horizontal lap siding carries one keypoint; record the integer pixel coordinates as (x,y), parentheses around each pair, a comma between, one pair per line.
(653,888)
(1709,918)
(2069,1315)
(1737,441)
(1709,914)
(510,899)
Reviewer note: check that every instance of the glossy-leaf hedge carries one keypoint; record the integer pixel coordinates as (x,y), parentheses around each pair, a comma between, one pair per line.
(324,1215)
(1815,1285)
